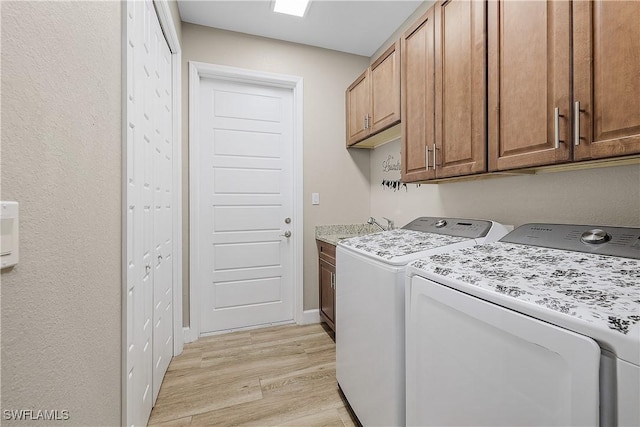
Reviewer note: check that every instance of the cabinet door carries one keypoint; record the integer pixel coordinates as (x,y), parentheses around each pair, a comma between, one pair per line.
(606,46)
(460,59)
(327,293)
(418,99)
(358,109)
(528,79)
(385,89)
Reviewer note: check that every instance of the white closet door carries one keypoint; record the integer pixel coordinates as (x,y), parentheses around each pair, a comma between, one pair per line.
(162,209)
(149,210)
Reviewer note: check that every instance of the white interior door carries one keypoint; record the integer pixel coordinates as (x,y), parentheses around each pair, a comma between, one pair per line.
(245,185)
(149,228)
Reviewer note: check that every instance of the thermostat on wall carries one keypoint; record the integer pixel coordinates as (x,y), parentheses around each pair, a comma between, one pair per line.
(9,237)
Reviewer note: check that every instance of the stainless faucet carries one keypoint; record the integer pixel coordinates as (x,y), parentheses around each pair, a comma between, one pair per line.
(372,221)
(389,223)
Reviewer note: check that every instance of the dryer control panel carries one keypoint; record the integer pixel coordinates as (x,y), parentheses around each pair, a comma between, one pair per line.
(460,227)
(602,240)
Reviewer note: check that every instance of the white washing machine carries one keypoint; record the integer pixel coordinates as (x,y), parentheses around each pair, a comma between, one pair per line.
(540,328)
(370,276)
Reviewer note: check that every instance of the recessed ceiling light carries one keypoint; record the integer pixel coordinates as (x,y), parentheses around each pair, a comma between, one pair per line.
(291,7)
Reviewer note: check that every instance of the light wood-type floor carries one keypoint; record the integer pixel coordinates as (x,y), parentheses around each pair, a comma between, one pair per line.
(277,376)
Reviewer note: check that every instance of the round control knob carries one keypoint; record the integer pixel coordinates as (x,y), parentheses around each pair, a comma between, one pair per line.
(441,223)
(595,236)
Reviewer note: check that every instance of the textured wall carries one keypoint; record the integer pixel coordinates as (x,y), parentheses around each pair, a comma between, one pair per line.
(340,176)
(603,196)
(61,159)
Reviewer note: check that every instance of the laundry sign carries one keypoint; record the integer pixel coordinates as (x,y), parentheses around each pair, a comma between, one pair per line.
(391,173)
(390,164)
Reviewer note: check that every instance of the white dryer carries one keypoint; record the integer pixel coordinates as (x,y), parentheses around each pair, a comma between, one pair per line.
(540,328)
(370,276)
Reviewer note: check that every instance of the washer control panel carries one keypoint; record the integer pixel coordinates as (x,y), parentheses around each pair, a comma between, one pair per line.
(470,228)
(602,240)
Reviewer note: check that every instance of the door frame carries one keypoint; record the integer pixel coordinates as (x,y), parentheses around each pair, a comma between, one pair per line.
(168,27)
(197,71)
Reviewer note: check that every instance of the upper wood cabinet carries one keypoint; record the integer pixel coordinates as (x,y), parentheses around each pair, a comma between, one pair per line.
(418,99)
(443,90)
(529,82)
(358,109)
(373,99)
(460,78)
(606,78)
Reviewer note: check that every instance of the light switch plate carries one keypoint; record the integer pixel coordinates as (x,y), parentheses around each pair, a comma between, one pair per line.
(9,224)
(315,198)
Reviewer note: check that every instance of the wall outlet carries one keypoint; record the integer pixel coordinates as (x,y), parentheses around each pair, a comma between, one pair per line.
(9,243)
(315,198)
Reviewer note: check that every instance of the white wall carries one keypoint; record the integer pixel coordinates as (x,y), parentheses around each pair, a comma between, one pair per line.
(603,196)
(61,159)
(340,176)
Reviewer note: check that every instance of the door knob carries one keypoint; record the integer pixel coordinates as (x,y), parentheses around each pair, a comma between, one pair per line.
(286,234)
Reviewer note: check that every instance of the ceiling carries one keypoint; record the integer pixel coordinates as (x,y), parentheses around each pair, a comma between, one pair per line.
(359,27)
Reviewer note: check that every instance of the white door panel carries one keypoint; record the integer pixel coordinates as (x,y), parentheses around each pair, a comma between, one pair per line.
(243,164)
(247,292)
(149,211)
(246,192)
(258,105)
(245,255)
(246,218)
(246,274)
(249,144)
(160,89)
(246,181)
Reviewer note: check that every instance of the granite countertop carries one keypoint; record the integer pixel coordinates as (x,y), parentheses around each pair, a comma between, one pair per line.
(332,234)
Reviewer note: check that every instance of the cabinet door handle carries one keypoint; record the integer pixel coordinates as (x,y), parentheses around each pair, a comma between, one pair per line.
(576,123)
(556,130)
(435,164)
(426,156)
(366,121)
(333,280)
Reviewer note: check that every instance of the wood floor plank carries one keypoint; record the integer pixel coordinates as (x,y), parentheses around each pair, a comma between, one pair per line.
(329,418)
(345,416)
(181,422)
(277,376)
(199,399)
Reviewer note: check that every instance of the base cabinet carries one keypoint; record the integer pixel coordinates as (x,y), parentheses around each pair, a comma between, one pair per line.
(327,283)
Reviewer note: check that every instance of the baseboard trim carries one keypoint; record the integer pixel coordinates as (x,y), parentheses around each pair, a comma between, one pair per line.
(188,336)
(309,317)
